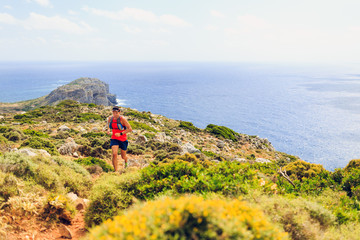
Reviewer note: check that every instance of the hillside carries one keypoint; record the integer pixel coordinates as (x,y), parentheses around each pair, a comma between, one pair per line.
(182,182)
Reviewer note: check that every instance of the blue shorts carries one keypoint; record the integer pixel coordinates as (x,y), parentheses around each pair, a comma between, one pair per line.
(122,144)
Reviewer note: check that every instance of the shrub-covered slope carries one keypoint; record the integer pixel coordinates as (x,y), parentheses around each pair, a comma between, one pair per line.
(194,176)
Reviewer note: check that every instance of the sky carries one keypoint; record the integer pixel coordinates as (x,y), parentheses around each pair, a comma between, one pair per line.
(187,30)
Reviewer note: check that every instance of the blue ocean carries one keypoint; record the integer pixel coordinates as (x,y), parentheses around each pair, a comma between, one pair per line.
(311,111)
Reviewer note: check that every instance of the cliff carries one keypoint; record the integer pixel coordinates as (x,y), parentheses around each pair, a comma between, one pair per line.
(83,90)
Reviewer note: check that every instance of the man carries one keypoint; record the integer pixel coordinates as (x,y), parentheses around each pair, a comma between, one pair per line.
(120,127)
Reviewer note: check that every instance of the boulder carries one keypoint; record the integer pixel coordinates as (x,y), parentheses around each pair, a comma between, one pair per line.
(79,204)
(141,140)
(44,152)
(220,144)
(64,128)
(27,152)
(160,137)
(176,140)
(2,118)
(94,169)
(241,160)
(65,232)
(262,160)
(68,148)
(95,129)
(72,196)
(189,148)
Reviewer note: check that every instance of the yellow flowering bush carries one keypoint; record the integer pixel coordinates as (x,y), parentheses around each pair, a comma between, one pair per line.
(189,218)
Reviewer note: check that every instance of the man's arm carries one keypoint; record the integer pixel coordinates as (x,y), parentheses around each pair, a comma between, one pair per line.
(107,126)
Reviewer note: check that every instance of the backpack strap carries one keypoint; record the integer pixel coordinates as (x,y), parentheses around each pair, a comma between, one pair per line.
(118,122)
(119,125)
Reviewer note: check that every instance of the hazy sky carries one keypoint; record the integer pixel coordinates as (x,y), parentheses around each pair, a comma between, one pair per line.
(166,30)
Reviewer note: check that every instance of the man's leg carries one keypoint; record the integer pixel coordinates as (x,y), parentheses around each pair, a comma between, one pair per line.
(115,149)
(124,156)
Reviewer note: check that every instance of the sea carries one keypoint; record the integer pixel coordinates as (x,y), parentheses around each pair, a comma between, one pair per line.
(308,110)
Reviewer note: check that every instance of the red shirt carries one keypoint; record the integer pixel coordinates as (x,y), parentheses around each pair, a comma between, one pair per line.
(116,130)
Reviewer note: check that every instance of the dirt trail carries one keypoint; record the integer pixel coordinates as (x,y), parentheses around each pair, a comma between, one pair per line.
(30,229)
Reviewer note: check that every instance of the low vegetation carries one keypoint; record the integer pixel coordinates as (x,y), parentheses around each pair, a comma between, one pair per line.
(218,192)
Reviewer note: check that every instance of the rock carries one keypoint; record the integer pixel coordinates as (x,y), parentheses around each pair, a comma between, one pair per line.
(94,169)
(75,155)
(43,122)
(44,152)
(65,232)
(188,148)
(215,161)
(16,123)
(262,160)
(141,140)
(91,121)
(95,129)
(220,144)
(160,137)
(72,196)
(2,118)
(80,204)
(83,90)
(64,128)
(86,201)
(242,160)
(27,152)
(176,140)
(68,148)
(82,130)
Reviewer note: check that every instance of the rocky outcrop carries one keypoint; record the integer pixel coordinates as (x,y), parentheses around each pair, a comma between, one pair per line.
(83,90)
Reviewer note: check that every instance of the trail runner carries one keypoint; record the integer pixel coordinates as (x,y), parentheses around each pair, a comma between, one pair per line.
(120,127)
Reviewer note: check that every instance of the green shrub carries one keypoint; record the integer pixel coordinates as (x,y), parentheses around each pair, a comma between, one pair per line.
(189,218)
(35,133)
(301,169)
(189,126)
(180,176)
(90,161)
(301,218)
(136,149)
(8,186)
(142,126)
(353,164)
(74,182)
(209,154)
(139,115)
(351,183)
(68,103)
(91,135)
(149,135)
(74,165)
(39,143)
(46,172)
(221,131)
(12,134)
(3,140)
(109,196)
(85,117)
